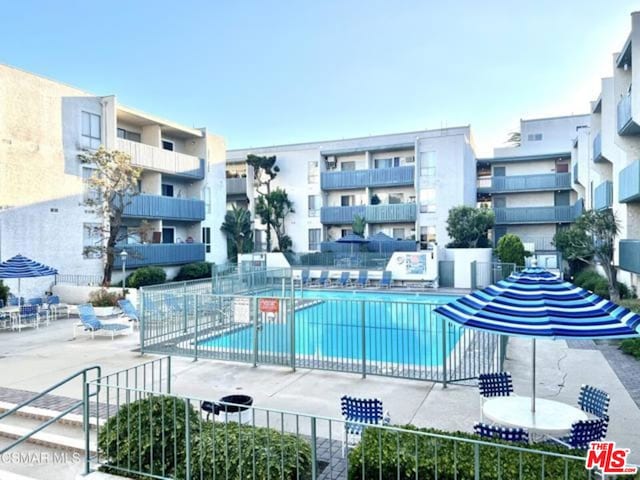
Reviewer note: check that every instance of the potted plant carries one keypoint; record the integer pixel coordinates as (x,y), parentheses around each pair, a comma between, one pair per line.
(103,301)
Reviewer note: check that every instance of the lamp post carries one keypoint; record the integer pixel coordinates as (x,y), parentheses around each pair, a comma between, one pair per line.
(123,258)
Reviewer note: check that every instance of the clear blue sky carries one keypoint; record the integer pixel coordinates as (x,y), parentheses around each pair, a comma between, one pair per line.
(267,72)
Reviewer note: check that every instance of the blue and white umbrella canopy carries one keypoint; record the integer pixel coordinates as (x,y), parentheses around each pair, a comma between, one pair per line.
(537,304)
(23,267)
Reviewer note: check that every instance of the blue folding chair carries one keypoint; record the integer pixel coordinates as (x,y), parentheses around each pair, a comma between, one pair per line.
(35,301)
(28,315)
(582,433)
(593,400)
(385,281)
(498,384)
(501,433)
(304,278)
(53,304)
(357,412)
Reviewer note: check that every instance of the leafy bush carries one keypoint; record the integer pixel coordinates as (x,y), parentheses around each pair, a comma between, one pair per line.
(468,226)
(4,292)
(389,454)
(631,346)
(193,271)
(511,250)
(598,284)
(146,276)
(144,433)
(104,298)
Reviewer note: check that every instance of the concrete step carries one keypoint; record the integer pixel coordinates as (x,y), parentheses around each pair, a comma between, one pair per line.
(52,440)
(44,414)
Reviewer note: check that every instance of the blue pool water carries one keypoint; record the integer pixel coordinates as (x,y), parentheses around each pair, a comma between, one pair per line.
(397,329)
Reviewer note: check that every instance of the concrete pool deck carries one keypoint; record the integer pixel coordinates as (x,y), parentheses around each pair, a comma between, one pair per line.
(34,359)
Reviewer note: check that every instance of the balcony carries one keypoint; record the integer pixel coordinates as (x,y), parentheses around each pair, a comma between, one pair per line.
(165,161)
(597,149)
(629,255)
(626,125)
(376,177)
(629,183)
(483,184)
(237,186)
(527,215)
(531,183)
(389,213)
(165,208)
(603,196)
(141,255)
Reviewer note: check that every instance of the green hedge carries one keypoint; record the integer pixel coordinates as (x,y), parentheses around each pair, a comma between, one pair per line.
(146,276)
(193,271)
(133,440)
(390,454)
(598,284)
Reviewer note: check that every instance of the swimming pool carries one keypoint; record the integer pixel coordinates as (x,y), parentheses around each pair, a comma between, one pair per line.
(382,330)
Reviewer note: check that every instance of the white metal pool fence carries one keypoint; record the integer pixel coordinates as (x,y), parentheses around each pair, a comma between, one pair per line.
(158,433)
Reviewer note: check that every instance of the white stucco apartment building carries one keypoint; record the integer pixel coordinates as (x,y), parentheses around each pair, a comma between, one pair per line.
(45,126)
(404,184)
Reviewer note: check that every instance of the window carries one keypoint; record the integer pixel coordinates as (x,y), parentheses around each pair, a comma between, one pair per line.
(347,200)
(396,198)
(167,190)
(427,236)
(168,145)
(499,202)
(314,205)
(386,162)
(428,168)
(168,235)
(428,200)
(345,231)
(91,237)
(499,171)
(347,166)
(206,238)
(315,237)
(534,137)
(398,233)
(562,168)
(91,130)
(313,172)
(91,194)
(127,135)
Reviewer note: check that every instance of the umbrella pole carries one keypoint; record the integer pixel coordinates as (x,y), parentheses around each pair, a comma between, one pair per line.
(533,377)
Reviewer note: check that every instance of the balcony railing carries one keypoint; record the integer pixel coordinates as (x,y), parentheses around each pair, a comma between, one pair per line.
(166,161)
(597,148)
(483,184)
(525,183)
(393,213)
(375,177)
(629,255)
(603,196)
(141,255)
(629,183)
(166,208)
(538,243)
(626,125)
(552,214)
(236,186)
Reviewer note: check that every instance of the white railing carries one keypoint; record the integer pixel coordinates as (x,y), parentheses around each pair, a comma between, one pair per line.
(154,158)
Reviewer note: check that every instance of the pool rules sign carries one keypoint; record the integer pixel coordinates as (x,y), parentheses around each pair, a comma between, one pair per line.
(268,305)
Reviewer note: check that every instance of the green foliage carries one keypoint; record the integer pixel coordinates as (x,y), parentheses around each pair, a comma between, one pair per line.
(514,139)
(4,292)
(104,298)
(146,276)
(148,436)
(375,199)
(193,271)
(264,171)
(239,232)
(631,346)
(468,226)
(389,454)
(359,224)
(593,281)
(511,250)
(273,208)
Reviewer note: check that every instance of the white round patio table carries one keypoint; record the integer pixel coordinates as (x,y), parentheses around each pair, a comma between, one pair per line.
(550,418)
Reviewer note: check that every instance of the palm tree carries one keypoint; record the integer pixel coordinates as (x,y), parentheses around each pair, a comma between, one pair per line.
(237,228)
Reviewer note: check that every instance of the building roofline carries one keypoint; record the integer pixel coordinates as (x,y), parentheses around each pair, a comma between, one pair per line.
(319,142)
(196,132)
(525,158)
(554,118)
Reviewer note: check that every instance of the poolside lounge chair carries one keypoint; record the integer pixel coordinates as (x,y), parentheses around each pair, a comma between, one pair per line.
(385,281)
(582,433)
(128,311)
(173,304)
(323,281)
(363,279)
(498,384)
(501,433)
(305,278)
(357,412)
(91,324)
(344,279)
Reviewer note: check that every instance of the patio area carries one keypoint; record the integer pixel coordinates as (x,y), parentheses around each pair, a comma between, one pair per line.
(34,359)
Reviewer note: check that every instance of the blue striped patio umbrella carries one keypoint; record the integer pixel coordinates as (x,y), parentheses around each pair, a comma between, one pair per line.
(23,267)
(536,303)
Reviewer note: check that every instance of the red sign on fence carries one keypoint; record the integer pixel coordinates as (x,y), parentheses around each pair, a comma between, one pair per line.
(268,305)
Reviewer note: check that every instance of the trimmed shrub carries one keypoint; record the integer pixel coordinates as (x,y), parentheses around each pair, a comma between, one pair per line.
(144,433)
(511,250)
(104,298)
(4,292)
(193,271)
(146,276)
(598,284)
(389,454)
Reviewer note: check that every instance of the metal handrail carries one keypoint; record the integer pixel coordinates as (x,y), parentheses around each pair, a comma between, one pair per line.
(44,425)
